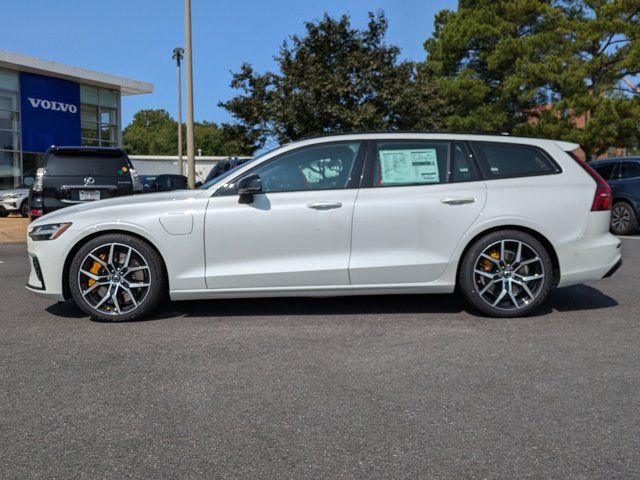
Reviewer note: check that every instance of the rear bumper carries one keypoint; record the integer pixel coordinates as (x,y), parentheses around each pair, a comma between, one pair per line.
(614,269)
(595,255)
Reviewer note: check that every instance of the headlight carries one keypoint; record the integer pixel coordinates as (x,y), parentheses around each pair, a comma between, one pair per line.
(11,195)
(48,232)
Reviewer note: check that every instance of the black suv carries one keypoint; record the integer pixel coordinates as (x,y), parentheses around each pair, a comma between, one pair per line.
(71,175)
(623,176)
(164,182)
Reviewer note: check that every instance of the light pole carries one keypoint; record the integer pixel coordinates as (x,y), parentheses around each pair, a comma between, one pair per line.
(191,170)
(178,53)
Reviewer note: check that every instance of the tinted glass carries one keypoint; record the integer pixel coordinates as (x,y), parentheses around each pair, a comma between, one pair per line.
(630,170)
(604,169)
(462,169)
(87,164)
(509,160)
(410,163)
(321,167)
(9,120)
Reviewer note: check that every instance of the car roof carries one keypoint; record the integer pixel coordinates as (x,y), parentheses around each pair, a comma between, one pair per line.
(616,159)
(462,136)
(78,149)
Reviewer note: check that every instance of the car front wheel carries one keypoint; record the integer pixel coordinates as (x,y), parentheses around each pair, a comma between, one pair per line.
(117,277)
(506,274)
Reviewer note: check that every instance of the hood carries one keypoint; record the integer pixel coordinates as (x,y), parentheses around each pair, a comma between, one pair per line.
(14,191)
(128,200)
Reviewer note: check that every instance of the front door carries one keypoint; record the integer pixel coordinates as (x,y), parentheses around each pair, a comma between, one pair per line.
(297,232)
(421,198)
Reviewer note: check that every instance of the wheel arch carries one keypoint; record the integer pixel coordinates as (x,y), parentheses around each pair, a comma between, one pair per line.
(534,233)
(78,245)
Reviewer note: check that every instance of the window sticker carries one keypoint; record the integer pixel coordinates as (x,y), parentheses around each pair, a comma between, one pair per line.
(419,165)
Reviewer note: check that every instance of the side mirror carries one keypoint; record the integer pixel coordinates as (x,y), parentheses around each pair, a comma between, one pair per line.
(248,187)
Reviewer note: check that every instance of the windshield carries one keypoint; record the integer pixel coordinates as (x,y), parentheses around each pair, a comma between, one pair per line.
(215,180)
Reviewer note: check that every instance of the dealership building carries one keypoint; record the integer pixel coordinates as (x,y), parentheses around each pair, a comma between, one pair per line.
(45,103)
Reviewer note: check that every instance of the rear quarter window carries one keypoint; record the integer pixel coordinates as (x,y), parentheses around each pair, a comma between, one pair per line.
(87,164)
(507,160)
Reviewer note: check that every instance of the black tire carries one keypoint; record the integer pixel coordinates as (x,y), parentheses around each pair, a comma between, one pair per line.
(515,301)
(3,213)
(24,209)
(113,275)
(623,219)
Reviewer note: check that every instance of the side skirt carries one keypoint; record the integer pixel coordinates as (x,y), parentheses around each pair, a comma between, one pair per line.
(321,291)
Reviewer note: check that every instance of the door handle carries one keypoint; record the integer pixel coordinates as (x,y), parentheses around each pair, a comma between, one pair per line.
(324,205)
(458,200)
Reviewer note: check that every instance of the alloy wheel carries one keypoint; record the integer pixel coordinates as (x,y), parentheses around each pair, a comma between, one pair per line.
(114,279)
(509,274)
(620,218)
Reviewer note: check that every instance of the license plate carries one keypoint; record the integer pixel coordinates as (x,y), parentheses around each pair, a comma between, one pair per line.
(89,195)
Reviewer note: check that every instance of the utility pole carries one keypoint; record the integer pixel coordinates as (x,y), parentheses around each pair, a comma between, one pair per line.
(191,164)
(178,54)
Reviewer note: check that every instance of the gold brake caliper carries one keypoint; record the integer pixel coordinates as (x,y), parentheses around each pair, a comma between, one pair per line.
(95,269)
(487,265)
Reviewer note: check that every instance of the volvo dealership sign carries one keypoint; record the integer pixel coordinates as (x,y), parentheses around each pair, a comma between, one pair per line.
(50,110)
(48,105)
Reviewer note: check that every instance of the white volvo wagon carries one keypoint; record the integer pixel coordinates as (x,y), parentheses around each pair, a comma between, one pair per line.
(502,219)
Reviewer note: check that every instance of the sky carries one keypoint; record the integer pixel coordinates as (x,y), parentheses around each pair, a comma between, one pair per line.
(135,39)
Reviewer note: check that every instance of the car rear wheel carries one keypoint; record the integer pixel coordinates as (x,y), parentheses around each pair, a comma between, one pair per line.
(623,219)
(117,277)
(506,274)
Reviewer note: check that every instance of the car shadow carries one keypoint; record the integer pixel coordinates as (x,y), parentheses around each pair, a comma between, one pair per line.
(576,298)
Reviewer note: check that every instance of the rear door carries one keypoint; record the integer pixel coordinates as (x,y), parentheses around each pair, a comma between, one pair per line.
(85,176)
(417,199)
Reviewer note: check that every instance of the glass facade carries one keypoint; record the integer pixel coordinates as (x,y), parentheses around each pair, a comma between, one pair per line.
(99,119)
(10,167)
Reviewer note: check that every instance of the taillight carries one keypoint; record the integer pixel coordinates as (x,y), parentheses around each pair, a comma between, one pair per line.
(603,198)
(35,212)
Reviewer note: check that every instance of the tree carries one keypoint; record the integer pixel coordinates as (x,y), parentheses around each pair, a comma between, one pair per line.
(334,78)
(154,132)
(540,67)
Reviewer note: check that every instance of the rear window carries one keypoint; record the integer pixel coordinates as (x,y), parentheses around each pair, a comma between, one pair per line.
(604,169)
(111,165)
(403,163)
(505,160)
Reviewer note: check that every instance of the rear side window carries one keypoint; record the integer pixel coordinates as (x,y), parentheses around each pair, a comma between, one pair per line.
(87,164)
(462,167)
(506,160)
(605,170)
(630,170)
(402,163)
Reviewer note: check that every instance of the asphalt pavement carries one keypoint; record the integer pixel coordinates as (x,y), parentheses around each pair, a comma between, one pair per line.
(363,387)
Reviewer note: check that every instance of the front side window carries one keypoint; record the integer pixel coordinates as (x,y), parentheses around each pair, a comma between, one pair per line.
(320,167)
(507,160)
(403,163)
(630,170)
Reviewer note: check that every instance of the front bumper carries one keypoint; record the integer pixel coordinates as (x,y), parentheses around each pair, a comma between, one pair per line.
(46,259)
(10,205)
